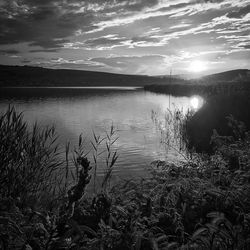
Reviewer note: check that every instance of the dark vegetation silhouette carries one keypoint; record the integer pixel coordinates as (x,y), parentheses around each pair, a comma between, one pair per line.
(225,83)
(20,76)
(213,116)
(225,94)
(202,203)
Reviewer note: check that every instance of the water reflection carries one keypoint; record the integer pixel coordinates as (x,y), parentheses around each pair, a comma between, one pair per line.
(196,102)
(76,111)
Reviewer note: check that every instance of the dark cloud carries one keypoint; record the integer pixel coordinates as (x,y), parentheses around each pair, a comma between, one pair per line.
(9,52)
(49,44)
(240,13)
(244,46)
(38,2)
(42,13)
(25,61)
(41,23)
(110,40)
(43,50)
(207,1)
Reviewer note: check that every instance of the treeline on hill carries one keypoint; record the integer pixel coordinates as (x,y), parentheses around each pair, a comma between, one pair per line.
(203,203)
(189,88)
(37,76)
(225,83)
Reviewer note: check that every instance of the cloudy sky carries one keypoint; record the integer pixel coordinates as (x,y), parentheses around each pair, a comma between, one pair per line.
(127,36)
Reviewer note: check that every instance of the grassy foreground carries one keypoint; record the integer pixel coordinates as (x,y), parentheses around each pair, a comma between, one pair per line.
(203,203)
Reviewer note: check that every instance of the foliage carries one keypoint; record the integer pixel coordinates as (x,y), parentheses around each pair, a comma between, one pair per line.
(202,203)
(206,87)
(212,115)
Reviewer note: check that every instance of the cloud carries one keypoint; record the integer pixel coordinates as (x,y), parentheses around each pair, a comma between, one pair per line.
(42,23)
(239,13)
(8,52)
(143,34)
(149,64)
(69,64)
(104,42)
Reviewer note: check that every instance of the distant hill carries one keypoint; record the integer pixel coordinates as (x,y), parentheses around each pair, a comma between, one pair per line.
(229,82)
(37,76)
(227,76)
(231,75)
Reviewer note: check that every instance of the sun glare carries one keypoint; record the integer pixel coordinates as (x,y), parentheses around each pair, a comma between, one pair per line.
(197,66)
(194,102)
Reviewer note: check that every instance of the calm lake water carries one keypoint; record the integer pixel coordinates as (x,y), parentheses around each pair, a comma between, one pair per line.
(83,110)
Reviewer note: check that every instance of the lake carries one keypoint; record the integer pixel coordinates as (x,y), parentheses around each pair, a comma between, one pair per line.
(83,110)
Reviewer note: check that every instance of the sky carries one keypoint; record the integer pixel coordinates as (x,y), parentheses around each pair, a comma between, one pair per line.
(149,37)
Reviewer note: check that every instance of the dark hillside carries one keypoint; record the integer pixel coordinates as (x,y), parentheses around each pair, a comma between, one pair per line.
(235,81)
(228,76)
(36,76)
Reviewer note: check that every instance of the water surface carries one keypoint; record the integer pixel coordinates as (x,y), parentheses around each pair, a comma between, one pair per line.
(83,110)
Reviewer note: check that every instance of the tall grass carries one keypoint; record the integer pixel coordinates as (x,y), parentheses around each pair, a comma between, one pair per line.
(28,158)
(104,145)
(173,131)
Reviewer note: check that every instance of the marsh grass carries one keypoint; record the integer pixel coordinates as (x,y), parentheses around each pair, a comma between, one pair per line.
(202,203)
(172,128)
(29,158)
(103,146)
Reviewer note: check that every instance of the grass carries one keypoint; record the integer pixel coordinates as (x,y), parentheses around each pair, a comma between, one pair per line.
(202,203)
(29,159)
(173,131)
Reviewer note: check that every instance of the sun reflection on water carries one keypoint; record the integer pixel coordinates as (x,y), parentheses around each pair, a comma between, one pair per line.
(196,102)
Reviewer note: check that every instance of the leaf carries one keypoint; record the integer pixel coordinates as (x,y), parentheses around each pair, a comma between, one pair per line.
(81,228)
(172,245)
(93,145)
(162,238)
(154,244)
(215,215)
(122,210)
(80,140)
(95,137)
(88,230)
(138,242)
(199,232)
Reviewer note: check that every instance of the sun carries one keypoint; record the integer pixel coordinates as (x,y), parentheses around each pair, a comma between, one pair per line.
(197,66)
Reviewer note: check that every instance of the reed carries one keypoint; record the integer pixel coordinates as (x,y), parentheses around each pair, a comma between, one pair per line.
(29,158)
